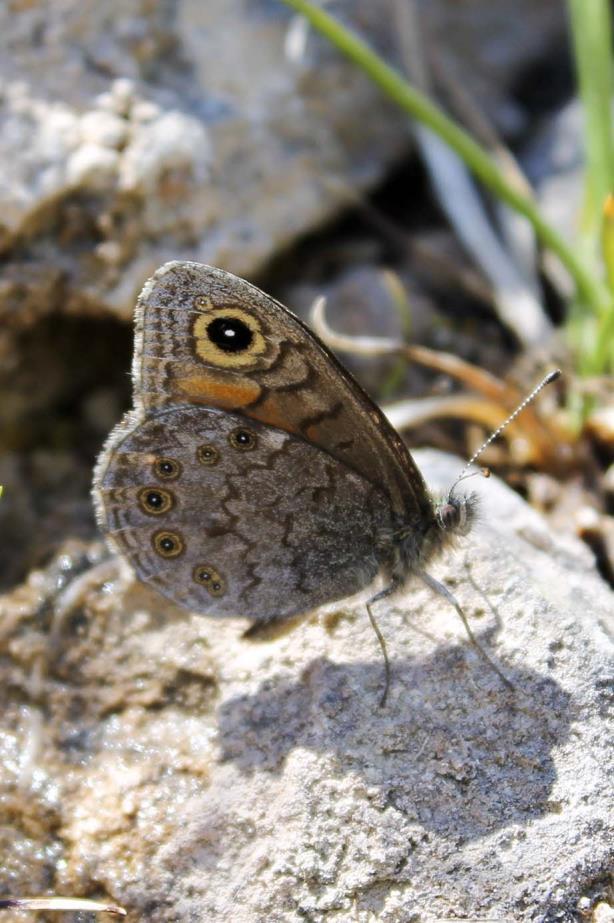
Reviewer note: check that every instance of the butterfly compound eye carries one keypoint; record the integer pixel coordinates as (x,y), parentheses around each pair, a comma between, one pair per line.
(449,516)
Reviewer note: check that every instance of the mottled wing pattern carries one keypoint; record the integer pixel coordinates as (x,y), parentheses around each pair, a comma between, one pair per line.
(283,377)
(233,517)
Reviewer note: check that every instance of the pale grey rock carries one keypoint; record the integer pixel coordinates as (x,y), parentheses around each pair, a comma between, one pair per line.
(131,132)
(158,758)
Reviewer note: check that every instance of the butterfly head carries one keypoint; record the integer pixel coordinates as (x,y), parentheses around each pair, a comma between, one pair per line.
(455,515)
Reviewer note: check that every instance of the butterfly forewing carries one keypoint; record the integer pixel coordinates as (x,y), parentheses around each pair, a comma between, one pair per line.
(276,372)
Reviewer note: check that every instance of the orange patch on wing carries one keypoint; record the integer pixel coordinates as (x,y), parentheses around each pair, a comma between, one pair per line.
(232,395)
(218,392)
(274,413)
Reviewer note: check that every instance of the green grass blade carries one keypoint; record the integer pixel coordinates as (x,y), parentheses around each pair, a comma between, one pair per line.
(591,30)
(484,168)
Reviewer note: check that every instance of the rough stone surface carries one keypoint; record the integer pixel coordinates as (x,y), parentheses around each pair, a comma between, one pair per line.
(131,132)
(158,758)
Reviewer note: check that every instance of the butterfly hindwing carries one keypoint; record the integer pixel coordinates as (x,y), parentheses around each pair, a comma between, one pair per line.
(233,517)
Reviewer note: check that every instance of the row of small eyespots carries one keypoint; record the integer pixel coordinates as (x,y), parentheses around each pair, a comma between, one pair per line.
(158,501)
(169,469)
(155,501)
(171,545)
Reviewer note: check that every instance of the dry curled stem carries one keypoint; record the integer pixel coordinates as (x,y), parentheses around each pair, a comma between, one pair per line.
(534,439)
(59,903)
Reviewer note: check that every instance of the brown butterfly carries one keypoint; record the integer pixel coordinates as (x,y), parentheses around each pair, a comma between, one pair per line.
(254,476)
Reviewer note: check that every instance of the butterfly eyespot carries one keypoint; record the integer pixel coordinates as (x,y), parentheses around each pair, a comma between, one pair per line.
(167,469)
(202,302)
(242,439)
(154,501)
(228,337)
(230,334)
(207,455)
(168,544)
(210,578)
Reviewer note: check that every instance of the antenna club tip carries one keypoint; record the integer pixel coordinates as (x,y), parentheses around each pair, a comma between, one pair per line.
(552,376)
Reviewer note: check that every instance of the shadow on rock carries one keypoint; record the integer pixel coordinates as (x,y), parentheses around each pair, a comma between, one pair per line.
(453,749)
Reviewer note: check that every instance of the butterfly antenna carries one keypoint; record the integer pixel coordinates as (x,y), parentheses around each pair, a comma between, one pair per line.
(550,377)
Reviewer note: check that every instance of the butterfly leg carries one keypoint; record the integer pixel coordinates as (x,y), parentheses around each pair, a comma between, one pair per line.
(442,590)
(387,591)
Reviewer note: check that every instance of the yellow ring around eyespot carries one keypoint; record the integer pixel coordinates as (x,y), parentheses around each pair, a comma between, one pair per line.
(207,455)
(158,468)
(208,576)
(249,442)
(174,537)
(165,497)
(213,355)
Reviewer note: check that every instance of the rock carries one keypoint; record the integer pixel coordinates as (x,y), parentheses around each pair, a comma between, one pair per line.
(134,133)
(603,913)
(157,758)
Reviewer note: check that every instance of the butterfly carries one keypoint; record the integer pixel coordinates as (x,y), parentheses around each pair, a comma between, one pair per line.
(254,476)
